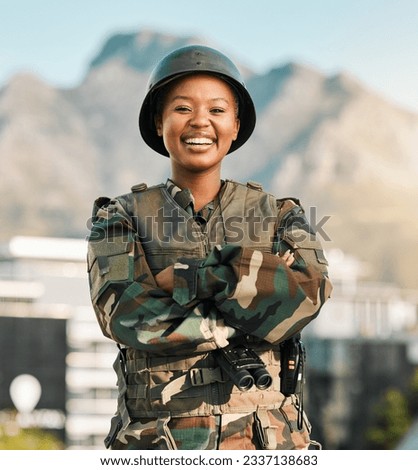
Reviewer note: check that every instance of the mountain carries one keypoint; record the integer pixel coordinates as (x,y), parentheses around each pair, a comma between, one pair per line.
(349,154)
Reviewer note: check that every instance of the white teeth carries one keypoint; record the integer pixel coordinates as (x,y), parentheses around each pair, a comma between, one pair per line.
(199,141)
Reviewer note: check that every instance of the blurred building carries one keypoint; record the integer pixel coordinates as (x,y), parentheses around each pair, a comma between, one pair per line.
(363,343)
(48,329)
(364,309)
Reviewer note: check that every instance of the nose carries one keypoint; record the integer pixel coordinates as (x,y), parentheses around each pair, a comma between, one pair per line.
(199,118)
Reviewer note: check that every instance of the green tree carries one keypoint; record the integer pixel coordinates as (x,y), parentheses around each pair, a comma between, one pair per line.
(393,420)
(14,438)
(412,394)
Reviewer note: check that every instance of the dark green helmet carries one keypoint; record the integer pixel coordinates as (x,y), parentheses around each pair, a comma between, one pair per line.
(185,61)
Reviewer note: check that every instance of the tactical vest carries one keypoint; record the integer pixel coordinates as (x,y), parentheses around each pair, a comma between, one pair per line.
(244,216)
(176,386)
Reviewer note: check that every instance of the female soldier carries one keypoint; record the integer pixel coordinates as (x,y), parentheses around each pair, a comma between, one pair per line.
(204,284)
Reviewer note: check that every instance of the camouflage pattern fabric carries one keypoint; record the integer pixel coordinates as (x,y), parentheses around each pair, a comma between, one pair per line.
(224,432)
(234,292)
(249,290)
(255,291)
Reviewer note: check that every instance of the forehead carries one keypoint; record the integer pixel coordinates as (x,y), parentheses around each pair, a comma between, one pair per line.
(200,84)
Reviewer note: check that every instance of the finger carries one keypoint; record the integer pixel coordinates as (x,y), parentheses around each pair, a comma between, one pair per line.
(285,255)
(290,260)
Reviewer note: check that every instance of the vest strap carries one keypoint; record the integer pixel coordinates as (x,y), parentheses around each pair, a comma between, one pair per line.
(205,376)
(192,378)
(120,368)
(267,433)
(169,363)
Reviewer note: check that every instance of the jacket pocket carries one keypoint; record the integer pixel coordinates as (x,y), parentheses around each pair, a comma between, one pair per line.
(108,261)
(308,247)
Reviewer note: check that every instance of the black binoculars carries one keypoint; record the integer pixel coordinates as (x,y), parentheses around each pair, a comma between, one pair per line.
(244,367)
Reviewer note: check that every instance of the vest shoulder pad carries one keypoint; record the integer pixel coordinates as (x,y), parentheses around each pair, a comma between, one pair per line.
(99,203)
(288,201)
(289,207)
(255,185)
(249,184)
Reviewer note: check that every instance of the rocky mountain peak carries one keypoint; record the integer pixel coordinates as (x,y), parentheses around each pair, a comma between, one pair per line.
(139,50)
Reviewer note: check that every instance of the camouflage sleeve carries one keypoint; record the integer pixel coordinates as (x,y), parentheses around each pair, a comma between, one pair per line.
(129,306)
(255,291)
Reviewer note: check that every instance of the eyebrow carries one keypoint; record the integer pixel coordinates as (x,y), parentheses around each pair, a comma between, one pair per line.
(183,97)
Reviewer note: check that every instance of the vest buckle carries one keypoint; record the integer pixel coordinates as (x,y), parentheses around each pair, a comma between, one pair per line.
(205,376)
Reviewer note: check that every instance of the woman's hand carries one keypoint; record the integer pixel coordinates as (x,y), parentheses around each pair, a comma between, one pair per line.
(288,258)
(165,279)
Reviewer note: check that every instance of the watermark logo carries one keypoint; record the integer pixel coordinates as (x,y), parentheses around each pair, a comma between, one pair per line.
(172,226)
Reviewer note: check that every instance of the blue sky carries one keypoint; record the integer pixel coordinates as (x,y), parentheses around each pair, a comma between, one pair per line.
(374,40)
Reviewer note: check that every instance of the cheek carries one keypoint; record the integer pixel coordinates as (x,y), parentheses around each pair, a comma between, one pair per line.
(169,127)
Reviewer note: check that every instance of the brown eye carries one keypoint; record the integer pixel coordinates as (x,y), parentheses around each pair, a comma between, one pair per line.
(182,109)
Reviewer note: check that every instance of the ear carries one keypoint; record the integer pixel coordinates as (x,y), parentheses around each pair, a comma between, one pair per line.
(237,124)
(158,125)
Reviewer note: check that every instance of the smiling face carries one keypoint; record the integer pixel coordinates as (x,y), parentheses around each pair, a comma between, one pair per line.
(198,123)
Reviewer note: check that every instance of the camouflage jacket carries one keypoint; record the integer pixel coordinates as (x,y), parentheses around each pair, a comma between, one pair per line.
(232,291)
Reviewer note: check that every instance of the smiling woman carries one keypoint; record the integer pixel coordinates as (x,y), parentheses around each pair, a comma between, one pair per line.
(205,284)
(198,125)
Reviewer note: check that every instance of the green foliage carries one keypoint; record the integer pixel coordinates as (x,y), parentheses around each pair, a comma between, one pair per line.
(412,394)
(15,438)
(392,420)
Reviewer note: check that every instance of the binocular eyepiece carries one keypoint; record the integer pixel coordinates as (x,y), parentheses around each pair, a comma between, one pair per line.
(244,367)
